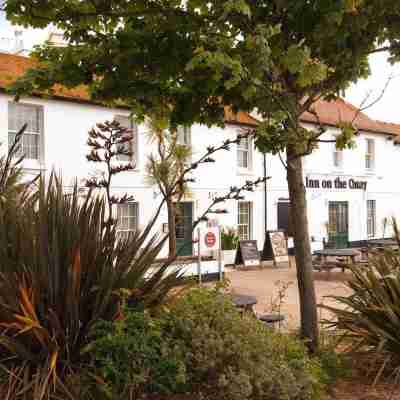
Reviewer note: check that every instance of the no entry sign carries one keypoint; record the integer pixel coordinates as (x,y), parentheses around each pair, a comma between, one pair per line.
(209,239)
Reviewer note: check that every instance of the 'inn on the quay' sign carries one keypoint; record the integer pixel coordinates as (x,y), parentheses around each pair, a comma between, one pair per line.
(336,183)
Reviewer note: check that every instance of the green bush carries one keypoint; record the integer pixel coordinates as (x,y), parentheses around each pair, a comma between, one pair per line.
(233,356)
(204,347)
(369,318)
(132,357)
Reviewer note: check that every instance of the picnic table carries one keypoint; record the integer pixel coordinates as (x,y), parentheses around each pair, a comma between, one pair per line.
(244,301)
(341,255)
(382,242)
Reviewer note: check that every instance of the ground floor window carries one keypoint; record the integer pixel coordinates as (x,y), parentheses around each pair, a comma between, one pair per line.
(244,220)
(371,218)
(127,218)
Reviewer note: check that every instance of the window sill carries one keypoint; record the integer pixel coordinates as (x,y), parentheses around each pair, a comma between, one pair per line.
(245,171)
(32,164)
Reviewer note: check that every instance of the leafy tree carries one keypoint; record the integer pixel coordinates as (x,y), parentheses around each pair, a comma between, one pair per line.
(278,57)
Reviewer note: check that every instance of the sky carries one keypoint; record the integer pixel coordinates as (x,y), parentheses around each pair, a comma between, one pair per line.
(386,109)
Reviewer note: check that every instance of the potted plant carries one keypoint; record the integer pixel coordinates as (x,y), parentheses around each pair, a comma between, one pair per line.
(229,242)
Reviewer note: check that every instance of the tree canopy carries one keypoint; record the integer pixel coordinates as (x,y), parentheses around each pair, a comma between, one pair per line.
(193,57)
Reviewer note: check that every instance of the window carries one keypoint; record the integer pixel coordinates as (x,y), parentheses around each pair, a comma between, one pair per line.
(337,157)
(371,218)
(20,114)
(131,145)
(184,135)
(370,154)
(127,218)
(244,220)
(244,153)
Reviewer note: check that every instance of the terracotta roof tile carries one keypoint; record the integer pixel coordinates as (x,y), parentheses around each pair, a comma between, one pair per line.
(333,112)
(330,113)
(12,67)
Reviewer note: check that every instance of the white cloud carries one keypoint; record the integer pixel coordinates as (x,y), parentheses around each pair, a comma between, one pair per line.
(386,109)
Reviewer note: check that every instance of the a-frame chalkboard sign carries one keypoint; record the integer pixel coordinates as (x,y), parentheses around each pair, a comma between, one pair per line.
(275,247)
(247,253)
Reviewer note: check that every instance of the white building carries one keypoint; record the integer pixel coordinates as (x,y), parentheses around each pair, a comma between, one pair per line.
(349,193)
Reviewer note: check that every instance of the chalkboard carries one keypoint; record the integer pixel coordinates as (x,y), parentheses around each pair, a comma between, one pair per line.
(275,247)
(247,253)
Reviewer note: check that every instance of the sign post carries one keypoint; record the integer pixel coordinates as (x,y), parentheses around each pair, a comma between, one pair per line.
(219,256)
(198,256)
(210,240)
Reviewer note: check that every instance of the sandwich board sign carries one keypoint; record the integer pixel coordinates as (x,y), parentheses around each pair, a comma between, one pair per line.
(247,253)
(275,247)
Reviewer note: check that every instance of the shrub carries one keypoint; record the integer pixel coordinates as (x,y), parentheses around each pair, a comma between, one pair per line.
(229,239)
(61,270)
(132,357)
(203,347)
(233,356)
(369,318)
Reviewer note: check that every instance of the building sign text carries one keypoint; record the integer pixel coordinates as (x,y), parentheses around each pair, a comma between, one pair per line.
(335,184)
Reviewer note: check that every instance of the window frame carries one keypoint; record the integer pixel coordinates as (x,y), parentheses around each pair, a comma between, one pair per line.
(249,223)
(248,157)
(187,135)
(369,155)
(40,133)
(371,218)
(125,231)
(337,156)
(134,145)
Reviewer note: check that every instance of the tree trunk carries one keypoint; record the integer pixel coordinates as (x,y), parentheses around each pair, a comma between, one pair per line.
(171,228)
(297,194)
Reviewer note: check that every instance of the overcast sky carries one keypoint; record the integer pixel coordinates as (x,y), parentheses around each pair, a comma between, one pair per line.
(386,109)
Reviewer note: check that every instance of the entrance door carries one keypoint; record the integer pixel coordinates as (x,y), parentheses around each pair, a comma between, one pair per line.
(338,231)
(284,218)
(183,228)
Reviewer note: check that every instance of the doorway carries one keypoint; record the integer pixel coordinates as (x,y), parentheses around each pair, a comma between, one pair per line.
(183,228)
(338,225)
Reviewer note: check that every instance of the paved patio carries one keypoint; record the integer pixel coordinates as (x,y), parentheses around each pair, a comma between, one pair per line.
(264,284)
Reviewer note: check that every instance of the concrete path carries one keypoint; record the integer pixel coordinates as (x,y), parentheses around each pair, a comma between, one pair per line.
(266,283)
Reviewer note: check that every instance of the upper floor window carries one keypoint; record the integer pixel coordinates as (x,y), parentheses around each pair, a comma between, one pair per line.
(32,115)
(127,218)
(184,135)
(131,145)
(370,154)
(337,157)
(244,153)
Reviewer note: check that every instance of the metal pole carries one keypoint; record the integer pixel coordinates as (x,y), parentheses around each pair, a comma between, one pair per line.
(219,255)
(198,256)
(265,195)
